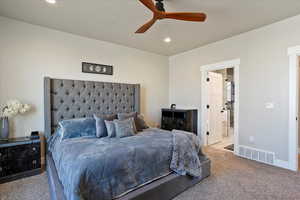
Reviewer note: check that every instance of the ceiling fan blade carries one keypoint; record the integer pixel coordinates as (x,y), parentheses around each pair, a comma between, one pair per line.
(195,17)
(146,26)
(149,4)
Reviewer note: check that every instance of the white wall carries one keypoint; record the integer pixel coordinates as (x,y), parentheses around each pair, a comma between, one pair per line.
(264,77)
(28,53)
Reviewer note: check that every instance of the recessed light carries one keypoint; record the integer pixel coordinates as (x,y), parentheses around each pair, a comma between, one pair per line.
(51,1)
(167,40)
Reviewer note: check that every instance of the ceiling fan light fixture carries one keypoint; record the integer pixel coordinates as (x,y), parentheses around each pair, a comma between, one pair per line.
(167,40)
(51,1)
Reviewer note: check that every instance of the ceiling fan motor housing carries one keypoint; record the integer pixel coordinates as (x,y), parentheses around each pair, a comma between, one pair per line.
(160,5)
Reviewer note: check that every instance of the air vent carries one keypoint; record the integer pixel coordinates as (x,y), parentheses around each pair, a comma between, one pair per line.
(257,155)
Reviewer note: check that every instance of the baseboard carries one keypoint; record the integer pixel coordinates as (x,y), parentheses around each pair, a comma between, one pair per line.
(282,164)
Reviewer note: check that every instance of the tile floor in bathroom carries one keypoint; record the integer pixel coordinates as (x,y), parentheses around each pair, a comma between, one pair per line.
(225,141)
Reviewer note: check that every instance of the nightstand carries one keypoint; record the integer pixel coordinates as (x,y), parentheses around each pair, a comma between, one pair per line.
(19,158)
(179,119)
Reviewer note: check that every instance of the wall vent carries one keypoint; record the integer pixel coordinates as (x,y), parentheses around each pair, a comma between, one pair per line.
(257,155)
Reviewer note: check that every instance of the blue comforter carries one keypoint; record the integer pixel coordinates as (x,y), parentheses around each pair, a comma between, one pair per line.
(106,168)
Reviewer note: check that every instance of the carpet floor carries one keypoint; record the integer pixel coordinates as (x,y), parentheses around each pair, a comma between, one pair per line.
(232,178)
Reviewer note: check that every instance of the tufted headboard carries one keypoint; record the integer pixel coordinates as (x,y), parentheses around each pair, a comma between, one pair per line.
(68,99)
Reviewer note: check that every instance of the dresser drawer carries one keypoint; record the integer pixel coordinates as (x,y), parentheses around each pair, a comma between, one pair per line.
(34,162)
(30,163)
(23,151)
(3,154)
(20,165)
(5,169)
(17,151)
(34,149)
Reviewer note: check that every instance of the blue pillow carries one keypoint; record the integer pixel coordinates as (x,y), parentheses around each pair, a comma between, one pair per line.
(78,128)
(101,130)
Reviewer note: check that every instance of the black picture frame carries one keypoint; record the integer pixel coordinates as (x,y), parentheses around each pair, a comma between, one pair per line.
(94,68)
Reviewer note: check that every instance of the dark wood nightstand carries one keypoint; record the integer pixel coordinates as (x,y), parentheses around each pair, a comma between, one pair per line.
(19,158)
(179,119)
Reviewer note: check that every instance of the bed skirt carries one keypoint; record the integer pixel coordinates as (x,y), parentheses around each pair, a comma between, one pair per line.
(164,188)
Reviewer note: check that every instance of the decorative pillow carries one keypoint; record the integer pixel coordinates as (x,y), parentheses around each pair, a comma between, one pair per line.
(77,128)
(110,127)
(140,123)
(124,128)
(123,116)
(101,130)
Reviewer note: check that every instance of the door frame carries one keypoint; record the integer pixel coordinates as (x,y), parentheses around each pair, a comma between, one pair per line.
(235,64)
(293,53)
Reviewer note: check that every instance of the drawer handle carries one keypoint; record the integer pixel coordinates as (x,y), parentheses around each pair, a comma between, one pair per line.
(34,149)
(0,169)
(0,154)
(34,162)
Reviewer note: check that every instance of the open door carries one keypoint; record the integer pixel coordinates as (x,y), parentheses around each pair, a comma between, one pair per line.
(215,111)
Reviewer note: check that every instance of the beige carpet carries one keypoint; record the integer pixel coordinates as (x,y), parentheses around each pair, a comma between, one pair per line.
(232,178)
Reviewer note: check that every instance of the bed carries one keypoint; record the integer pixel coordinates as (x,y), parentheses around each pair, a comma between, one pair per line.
(68,99)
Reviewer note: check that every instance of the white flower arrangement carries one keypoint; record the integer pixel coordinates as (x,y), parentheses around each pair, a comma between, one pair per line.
(13,108)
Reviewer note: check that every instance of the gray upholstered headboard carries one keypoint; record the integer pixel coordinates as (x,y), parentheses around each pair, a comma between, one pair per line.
(67,99)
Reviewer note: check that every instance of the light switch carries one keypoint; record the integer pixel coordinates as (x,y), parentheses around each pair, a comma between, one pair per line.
(269,105)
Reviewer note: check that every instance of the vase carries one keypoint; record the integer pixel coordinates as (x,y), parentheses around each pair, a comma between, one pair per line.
(4,133)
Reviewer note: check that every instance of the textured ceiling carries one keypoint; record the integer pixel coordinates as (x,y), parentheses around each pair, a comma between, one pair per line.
(117,20)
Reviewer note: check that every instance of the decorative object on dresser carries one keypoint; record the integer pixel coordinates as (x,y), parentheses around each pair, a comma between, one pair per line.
(19,158)
(173,106)
(4,128)
(180,119)
(7,111)
(94,68)
(34,135)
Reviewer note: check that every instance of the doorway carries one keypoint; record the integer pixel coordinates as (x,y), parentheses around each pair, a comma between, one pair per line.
(220,109)
(219,124)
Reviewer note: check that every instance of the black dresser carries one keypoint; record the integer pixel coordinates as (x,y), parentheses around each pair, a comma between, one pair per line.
(185,120)
(19,158)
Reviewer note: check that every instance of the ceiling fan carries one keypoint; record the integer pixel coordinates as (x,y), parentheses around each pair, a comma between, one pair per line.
(159,13)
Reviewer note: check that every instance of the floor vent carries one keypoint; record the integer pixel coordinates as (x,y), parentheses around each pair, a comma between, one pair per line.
(257,155)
